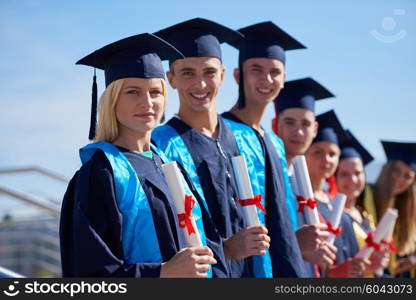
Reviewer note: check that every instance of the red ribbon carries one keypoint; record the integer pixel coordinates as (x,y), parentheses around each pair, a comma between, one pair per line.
(332,229)
(185,218)
(305,202)
(370,241)
(256,200)
(332,186)
(389,246)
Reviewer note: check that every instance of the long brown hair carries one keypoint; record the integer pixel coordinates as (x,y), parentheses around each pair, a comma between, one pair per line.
(405,203)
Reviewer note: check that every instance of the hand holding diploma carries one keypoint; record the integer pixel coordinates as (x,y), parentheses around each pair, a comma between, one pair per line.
(183,204)
(335,218)
(252,240)
(306,198)
(374,238)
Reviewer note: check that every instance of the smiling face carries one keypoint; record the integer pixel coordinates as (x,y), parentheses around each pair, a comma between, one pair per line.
(197,80)
(350,177)
(297,128)
(263,79)
(139,105)
(402,177)
(322,159)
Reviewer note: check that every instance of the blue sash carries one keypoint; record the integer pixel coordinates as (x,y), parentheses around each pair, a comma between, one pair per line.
(289,195)
(247,142)
(139,236)
(168,139)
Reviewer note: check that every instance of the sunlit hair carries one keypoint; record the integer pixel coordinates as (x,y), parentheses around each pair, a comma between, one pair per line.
(107,126)
(405,203)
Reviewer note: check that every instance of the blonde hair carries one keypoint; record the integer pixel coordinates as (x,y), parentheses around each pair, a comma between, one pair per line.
(405,203)
(107,126)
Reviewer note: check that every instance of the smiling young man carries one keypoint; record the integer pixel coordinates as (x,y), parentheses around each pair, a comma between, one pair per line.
(261,76)
(297,127)
(198,139)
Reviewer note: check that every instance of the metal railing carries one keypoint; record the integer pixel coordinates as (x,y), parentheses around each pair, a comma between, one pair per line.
(6,273)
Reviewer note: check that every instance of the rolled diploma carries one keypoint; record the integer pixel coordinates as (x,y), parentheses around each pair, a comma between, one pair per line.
(175,183)
(244,188)
(383,228)
(305,188)
(336,214)
(388,238)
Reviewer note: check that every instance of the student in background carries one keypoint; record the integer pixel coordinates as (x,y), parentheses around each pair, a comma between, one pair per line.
(396,187)
(350,179)
(322,159)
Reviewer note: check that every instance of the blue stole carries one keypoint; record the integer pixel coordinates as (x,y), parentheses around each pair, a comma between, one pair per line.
(168,139)
(174,147)
(290,196)
(139,238)
(250,146)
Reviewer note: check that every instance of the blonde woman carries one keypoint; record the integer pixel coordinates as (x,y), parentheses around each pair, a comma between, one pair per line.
(322,159)
(396,187)
(118,217)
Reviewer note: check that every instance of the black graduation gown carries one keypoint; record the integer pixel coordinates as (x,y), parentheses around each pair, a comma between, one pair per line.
(91,223)
(285,253)
(212,160)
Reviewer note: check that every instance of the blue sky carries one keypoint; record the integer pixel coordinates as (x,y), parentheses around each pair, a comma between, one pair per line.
(45,97)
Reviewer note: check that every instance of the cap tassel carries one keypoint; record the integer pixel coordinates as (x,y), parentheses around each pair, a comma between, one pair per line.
(241,94)
(93,120)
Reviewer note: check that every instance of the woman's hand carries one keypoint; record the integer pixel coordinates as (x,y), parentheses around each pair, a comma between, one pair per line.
(252,240)
(324,256)
(311,236)
(191,262)
(352,267)
(406,264)
(379,259)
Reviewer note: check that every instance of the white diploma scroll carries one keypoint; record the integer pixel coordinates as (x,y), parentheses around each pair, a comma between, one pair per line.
(383,229)
(175,183)
(388,238)
(336,214)
(305,187)
(244,189)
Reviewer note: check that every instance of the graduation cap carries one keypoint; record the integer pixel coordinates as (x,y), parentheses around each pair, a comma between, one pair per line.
(405,152)
(265,40)
(137,56)
(351,147)
(330,129)
(262,40)
(199,37)
(301,93)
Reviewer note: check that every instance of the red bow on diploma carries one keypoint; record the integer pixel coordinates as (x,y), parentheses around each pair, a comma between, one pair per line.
(252,201)
(185,218)
(389,246)
(332,229)
(370,241)
(305,202)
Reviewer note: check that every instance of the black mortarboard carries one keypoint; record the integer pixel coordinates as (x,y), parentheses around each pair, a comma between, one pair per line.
(330,129)
(405,152)
(262,40)
(137,56)
(351,147)
(265,40)
(199,37)
(301,93)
